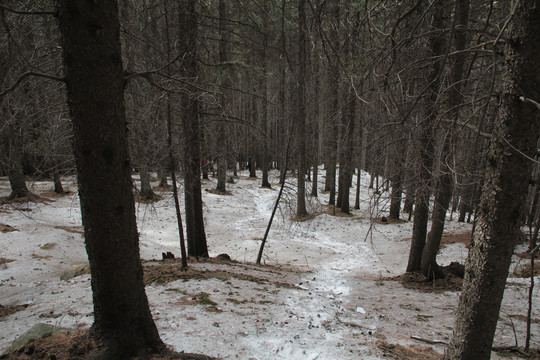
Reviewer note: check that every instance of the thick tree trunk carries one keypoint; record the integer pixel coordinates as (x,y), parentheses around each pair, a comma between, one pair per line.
(196,236)
(95,84)
(507,176)
(17,181)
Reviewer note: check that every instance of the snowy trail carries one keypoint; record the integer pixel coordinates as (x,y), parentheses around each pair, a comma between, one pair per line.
(322,294)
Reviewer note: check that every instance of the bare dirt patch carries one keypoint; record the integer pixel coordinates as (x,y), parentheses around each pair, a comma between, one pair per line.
(79,345)
(453,238)
(147,199)
(5,261)
(524,270)
(8,310)
(217,192)
(55,195)
(416,352)
(71,229)
(164,272)
(7,228)
(25,199)
(418,281)
(387,221)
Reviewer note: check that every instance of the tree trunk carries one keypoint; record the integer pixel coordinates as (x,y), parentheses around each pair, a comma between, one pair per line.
(503,196)
(221,139)
(196,236)
(13,158)
(443,195)
(346,164)
(57,182)
(332,145)
(264,101)
(95,84)
(301,210)
(425,140)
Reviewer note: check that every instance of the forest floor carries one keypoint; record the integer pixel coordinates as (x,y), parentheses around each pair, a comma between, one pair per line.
(330,287)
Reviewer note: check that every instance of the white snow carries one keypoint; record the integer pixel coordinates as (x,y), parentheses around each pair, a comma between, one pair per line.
(323,293)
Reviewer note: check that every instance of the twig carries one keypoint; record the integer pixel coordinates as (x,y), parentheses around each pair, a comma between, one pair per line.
(429,341)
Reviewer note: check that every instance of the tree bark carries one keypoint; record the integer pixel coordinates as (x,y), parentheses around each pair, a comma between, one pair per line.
(436,44)
(221,139)
(301,210)
(95,84)
(264,101)
(332,142)
(443,194)
(196,236)
(507,176)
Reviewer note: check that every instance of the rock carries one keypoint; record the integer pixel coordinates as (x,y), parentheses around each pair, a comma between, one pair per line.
(224,257)
(74,271)
(37,331)
(167,255)
(456,269)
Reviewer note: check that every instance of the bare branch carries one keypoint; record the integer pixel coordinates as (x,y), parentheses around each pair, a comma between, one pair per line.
(28,74)
(21,12)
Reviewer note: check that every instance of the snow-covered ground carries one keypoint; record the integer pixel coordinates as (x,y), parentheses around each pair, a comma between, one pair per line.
(323,294)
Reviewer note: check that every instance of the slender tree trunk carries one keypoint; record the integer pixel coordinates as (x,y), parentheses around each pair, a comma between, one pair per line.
(264,101)
(443,195)
(332,145)
(58,188)
(14,160)
(95,84)
(346,165)
(503,195)
(301,210)
(221,139)
(425,140)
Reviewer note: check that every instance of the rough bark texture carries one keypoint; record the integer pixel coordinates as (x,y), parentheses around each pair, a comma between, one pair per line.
(443,194)
(95,83)
(504,191)
(58,188)
(221,139)
(425,141)
(301,210)
(265,124)
(196,236)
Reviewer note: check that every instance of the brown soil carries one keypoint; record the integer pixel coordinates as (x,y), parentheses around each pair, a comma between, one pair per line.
(55,195)
(8,310)
(524,270)
(7,228)
(25,199)
(163,272)
(452,238)
(79,345)
(168,188)
(216,192)
(147,200)
(5,261)
(387,221)
(417,281)
(399,352)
